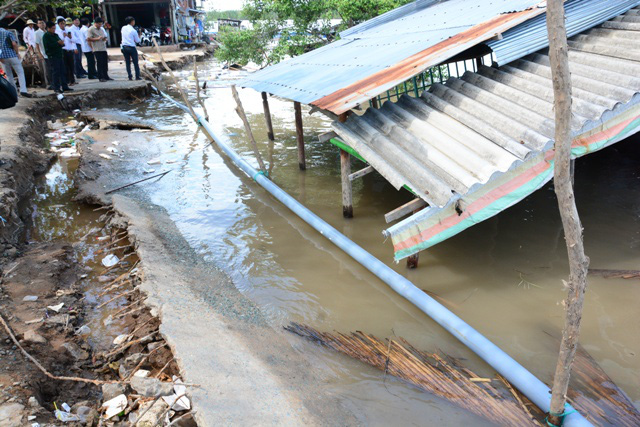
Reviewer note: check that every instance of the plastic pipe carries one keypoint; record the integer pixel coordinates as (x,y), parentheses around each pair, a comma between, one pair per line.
(515,373)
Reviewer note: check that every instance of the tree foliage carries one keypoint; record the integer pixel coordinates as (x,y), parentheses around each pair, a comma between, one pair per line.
(38,8)
(284,28)
(214,15)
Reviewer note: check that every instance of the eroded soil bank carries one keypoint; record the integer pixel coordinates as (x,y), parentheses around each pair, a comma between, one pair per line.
(78,342)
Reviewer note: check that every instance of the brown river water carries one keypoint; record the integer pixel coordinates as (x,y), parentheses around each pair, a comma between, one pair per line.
(502,276)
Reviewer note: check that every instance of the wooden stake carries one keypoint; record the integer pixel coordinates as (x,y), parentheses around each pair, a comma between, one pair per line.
(300,136)
(578,261)
(412,260)
(200,101)
(267,116)
(572,172)
(347,193)
(247,126)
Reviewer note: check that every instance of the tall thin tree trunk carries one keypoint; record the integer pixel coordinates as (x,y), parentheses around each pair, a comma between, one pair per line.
(578,261)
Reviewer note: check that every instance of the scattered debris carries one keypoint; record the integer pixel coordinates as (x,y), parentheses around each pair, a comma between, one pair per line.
(110,260)
(115,406)
(615,274)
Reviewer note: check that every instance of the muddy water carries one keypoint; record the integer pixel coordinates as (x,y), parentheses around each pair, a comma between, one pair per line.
(502,276)
(56,216)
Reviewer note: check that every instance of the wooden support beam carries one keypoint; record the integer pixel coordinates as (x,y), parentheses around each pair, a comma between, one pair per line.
(324,137)
(374,102)
(404,210)
(267,116)
(300,136)
(572,172)
(478,62)
(362,172)
(347,194)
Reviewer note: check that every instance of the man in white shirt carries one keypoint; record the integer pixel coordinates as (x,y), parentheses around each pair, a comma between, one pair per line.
(81,73)
(69,49)
(86,49)
(42,55)
(129,39)
(29,35)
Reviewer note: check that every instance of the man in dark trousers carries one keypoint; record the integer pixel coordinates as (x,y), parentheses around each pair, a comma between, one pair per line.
(130,38)
(86,49)
(53,48)
(69,49)
(96,37)
(77,39)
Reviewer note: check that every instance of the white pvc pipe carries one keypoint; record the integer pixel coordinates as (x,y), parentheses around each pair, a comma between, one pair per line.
(515,373)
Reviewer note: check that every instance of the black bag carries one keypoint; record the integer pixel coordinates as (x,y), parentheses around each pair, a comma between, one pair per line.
(8,94)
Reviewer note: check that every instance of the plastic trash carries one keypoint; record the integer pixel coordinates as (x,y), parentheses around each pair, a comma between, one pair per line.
(105,156)
(83,330)
(155,161)
(120,339)
(182,404)
(56,308)
(142,373)
(115,406)
(30,298)
(65,414)
(110,260)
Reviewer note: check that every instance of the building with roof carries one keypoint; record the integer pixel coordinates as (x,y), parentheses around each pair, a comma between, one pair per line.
(458,102)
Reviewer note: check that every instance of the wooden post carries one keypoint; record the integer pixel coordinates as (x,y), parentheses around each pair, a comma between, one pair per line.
(578,261)
(267,116)
(300,136)
(347,194)
(478,62)
(412,260)
(374,102)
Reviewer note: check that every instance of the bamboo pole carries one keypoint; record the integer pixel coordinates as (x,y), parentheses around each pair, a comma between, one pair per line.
(247,126)
(200,101)
(302,163)
(578,261)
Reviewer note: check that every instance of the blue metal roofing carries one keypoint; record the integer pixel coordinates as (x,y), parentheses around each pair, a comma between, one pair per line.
(378,54)
(531,36)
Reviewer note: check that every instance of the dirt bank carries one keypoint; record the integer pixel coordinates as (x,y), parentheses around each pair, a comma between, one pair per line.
(248,372)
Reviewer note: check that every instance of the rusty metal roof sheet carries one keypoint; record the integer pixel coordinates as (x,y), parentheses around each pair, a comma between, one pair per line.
(385,51)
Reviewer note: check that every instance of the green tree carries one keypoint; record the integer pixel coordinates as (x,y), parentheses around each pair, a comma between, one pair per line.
(23,8)
(284,28)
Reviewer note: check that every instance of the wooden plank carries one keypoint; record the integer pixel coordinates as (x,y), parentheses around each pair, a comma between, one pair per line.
(300,136)
(347,194)
(324,137)
(404,210)
(362,172)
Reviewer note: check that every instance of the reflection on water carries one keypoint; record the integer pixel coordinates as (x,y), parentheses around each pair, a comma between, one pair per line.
(503,276)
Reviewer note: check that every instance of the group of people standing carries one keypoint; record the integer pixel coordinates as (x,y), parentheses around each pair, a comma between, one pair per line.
(61,46)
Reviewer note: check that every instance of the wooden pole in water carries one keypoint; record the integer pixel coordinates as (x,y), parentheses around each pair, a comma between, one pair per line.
(412,260)
(247,126)
(347,193)
(267,116)
(578,261)
(345,171)
(300,136)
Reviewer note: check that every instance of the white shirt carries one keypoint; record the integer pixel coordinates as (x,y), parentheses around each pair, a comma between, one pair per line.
(68,43)
(75,34)
(29,36)
(129,36)
(39,42)
(83,39)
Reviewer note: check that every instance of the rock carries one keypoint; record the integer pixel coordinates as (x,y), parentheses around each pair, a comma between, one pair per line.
(141,373)
(151,417)
(11,415)
(87,415)
(109,391)
(58,319)
(120,339)
(32,336)
(153,345)
(33,402)
(103,279)
(186,421)
(151,387)
(83,330)
(75,351)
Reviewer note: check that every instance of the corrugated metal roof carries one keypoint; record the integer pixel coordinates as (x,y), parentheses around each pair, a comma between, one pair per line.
(462,135)
(531,36)
(385,51)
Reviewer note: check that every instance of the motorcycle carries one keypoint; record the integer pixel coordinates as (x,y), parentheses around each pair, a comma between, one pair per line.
(165,35)
(147,35)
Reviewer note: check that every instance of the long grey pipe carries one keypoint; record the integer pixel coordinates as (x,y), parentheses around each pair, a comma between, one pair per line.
(517,375)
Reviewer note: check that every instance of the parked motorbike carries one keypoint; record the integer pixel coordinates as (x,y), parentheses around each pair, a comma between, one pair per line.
(165,35)
(147,35)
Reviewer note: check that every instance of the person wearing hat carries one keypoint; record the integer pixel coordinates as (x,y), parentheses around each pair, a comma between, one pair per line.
(29,35)
(69,48)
